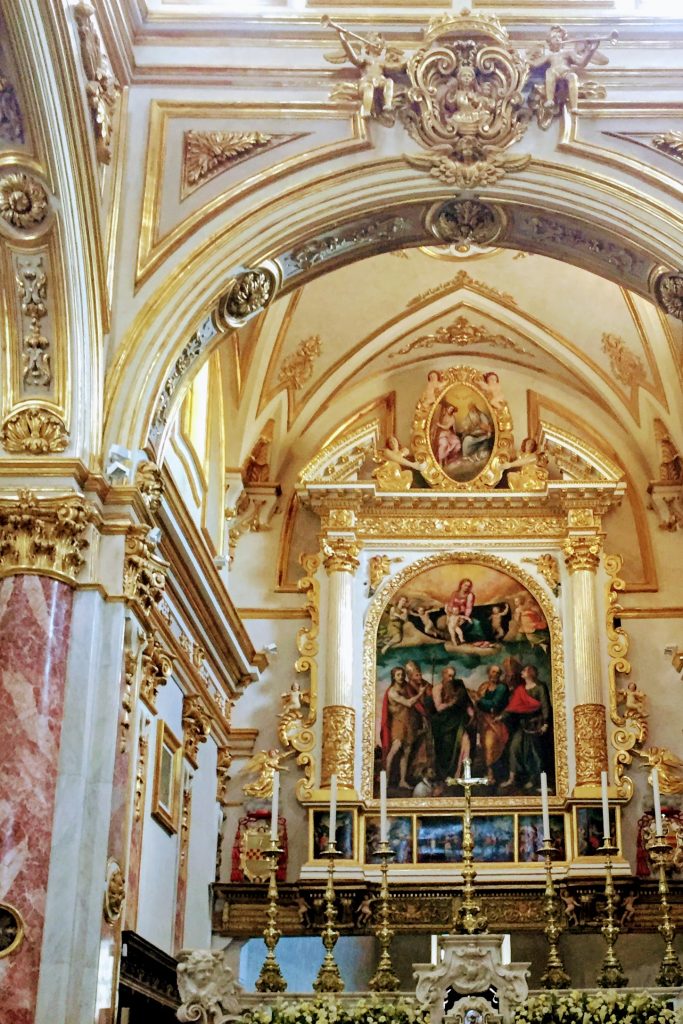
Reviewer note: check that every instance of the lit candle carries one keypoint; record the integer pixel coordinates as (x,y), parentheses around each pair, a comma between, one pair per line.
(544,804)
(274,807)
(659,826)
(383,833)
(467,774)
(333,810)
(605,809)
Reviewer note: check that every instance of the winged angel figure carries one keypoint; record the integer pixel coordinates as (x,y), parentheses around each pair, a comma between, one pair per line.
(264,765)
(669,767)
(376,59)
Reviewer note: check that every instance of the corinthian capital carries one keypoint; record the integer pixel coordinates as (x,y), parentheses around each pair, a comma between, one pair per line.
(582,553)
(340,554)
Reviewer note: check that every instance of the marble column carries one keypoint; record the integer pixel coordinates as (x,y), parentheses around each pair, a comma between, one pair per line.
(582,557)
(338,739)
(35,622)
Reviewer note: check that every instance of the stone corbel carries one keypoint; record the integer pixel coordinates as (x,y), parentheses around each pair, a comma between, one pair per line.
(196,726)
(253,511)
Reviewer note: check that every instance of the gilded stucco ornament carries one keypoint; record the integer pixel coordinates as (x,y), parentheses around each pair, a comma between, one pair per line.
(149,483)
(249,293)
(338,745)
(23,201)
(196,726)
(340,554)
(34,430)
(458,335)
(208,991)
(549,568)
(298,368)
(102,89)
(466,221)
(582,553)
(302,738)
(223,763)
(631,730)
(670,143)
(47,535)
(31,281)
(669,293)
(156,668)
(466,95)
(626,366)
(590,743)
(144,572)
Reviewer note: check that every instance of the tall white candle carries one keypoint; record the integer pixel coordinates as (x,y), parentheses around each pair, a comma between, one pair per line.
(659,825)
(333,809)
(466,774)
(544,805)
(605,808)
(383,832)
(274,807)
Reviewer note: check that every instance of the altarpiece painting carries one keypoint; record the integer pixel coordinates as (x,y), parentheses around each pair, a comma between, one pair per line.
(463,670)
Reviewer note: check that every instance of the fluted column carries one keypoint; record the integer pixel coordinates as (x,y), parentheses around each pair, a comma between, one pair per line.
(338,741)
(582,557)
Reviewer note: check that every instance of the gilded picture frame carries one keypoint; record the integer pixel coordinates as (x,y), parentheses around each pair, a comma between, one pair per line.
(377,666)
(462,438)
(167,778)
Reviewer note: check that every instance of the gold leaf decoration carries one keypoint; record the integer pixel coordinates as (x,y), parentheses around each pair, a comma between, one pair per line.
(626,366)
(459,334)
(208,154)
(34,430)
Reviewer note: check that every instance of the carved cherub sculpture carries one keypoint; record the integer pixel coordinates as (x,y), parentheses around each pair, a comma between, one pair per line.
(293,701)
(374,57)
(570,908)
(264,765)
(668,765)
(395,470)
(562,60)
(530,472)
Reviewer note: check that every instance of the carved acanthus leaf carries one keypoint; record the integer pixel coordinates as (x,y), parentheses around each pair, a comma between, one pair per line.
(47,534)
(156,670)
(102,89)
(34,430)
(626,365)
(144,574)
(460,334)
(297,369)
(670,143)
(196,726)
(148,481)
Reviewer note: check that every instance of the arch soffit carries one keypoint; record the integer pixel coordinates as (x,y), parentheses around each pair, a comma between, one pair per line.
(606,245)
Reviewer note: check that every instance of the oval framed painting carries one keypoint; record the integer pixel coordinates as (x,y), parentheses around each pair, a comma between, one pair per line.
(462,440)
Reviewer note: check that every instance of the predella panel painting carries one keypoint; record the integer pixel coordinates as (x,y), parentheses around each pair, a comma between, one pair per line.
(463,670)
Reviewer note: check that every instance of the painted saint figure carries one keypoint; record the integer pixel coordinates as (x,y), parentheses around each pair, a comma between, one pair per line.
(459,610)
(400,725)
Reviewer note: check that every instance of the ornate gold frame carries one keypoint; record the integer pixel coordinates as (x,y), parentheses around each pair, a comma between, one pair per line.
(167,818)
(374,613)
(15,945)
(503,443)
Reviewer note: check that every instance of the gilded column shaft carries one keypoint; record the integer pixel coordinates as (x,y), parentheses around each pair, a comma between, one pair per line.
(586,650)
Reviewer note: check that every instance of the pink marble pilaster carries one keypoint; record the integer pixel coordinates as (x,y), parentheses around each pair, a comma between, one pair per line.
(35,622)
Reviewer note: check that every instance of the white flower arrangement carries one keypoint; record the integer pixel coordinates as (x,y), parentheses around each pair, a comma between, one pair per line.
(606,1007)
(326,1010)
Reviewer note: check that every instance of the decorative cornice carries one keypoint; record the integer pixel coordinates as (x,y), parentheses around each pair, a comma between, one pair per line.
(582,553)
(35,430)
(144,573)
(156,669)
(196,726)
(44,535)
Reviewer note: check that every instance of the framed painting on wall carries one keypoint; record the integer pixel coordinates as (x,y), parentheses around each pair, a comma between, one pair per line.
(167,777)
(465,666)
(345,834)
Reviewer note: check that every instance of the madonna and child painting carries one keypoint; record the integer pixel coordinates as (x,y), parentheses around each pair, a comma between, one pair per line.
(463,671)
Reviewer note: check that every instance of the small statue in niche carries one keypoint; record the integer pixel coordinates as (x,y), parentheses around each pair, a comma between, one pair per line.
(374,57)
(264,765)
(395,472)
(562,60)
(529,472)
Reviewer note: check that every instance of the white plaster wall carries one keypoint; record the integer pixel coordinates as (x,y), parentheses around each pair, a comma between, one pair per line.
(159,862)
(201,862)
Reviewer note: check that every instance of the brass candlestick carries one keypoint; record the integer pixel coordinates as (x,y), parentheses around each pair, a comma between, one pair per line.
(384,979)
(670,974)
(469,917)
(270,979)
(612,973)
(329,979)
(555,975)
